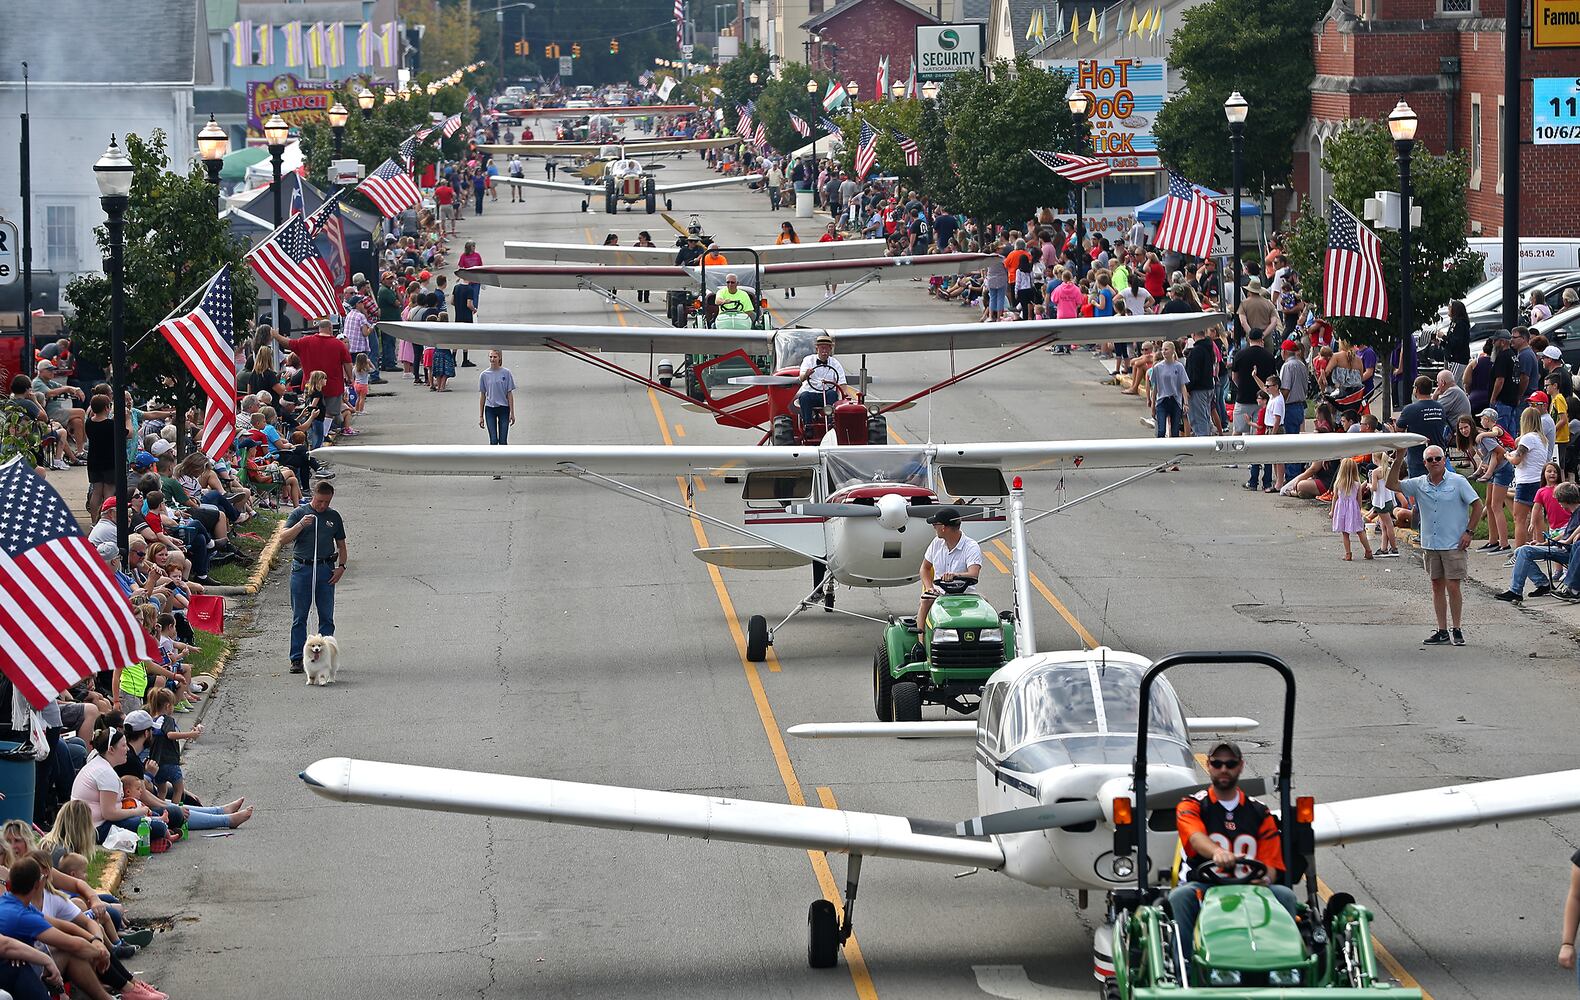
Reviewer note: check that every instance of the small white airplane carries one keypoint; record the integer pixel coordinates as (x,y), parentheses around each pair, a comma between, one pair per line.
(625,180)
(717,357)
(851,512)
(1054,748)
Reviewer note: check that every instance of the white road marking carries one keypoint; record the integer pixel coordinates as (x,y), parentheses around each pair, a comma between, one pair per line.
(1012,983)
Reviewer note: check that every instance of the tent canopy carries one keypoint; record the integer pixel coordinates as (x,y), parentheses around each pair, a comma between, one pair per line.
(236,163)
(249,215)
(1152,211)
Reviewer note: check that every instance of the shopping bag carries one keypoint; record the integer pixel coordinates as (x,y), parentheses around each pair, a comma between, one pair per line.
(207,612)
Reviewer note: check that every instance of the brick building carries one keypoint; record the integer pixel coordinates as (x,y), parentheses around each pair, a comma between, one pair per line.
(1444,57)
(848,39)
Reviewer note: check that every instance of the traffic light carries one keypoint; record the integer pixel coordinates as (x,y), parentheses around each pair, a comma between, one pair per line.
(576,50)
(523,47)
(614,46)
(552,50)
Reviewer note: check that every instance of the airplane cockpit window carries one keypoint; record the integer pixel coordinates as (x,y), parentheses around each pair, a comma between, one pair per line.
(1061,699)
(793,344)
(877,465)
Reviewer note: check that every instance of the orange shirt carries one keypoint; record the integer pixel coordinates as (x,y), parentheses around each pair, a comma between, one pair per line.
(1251,832)
(1012,262)
(715,260)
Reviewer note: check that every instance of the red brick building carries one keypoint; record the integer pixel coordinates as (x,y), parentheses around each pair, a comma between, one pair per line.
(848,39)
(1444,57)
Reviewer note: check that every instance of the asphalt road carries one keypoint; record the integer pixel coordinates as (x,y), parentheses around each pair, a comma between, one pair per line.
(552,629)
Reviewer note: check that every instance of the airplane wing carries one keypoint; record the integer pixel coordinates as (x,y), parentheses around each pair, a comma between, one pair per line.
(571,149)
(550,460)
(626,111)
(589,253)
(1137,453)
(704,817)
(584,190)
(663,189)
(638,277)
(616,339)
(967,336)
(783,253)
(1452,807)
(874,269)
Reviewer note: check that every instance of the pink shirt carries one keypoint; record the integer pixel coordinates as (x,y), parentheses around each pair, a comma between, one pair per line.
(1067,299)
(1557,517)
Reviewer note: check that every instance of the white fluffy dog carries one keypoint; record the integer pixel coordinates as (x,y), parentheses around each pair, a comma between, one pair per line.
(320,658)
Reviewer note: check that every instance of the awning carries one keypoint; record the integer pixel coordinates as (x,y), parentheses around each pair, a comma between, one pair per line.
(236,163)
(1152,211)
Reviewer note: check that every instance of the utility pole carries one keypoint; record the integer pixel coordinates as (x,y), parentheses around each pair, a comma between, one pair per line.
(1513,105)
(27,233)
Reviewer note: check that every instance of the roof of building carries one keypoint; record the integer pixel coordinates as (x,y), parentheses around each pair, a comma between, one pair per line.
(221,14)
(813,23)
(974,10)
(332,11)
(75,41)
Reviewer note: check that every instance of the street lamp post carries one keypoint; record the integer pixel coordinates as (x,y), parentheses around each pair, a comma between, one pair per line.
(275,132)
(811,90)
(213,144)
(1401,124)
(113,173)
(365,100)
(1235,109)
(898,89)
(337,124)
(930,90)
(1079,103)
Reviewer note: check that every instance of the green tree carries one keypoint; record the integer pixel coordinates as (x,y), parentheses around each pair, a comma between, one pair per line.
(175,241)
(1262,48)
(988,126)
(938,172)
(785,96)
(1360,158)
(884,116)
(735,77)
(450,39)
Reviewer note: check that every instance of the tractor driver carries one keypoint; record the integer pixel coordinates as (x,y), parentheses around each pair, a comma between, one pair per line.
(952,555)
(822,379)
(1218,826)
(731,298)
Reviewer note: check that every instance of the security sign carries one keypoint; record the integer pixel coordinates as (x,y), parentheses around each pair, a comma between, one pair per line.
(942,50)
(10,253)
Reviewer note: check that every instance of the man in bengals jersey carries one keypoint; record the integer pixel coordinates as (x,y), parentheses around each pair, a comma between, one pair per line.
(1218,826)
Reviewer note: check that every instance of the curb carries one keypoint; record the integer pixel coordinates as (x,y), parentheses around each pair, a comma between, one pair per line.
(114,873)
(265,562)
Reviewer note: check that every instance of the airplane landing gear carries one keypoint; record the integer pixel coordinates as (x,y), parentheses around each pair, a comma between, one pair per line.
(758,639)
(825,933)
(669,206)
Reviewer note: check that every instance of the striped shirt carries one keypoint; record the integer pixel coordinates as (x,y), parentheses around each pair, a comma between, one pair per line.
(355,327)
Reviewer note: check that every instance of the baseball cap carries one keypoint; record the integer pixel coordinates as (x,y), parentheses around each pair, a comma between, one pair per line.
(1228,746)
(946,516)
(1539,398)
(143,459)
(1488,412)
(425,275)
(108,550)
(1552,353)
(139,721)
(1289,345)
(108,504)
(1503,335)
(162,447)
(46,363)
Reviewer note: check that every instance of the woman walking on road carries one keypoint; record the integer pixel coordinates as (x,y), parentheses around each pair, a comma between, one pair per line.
(787,234)
(496,402)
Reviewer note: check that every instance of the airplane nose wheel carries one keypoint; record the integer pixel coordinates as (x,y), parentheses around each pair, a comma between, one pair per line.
(758,639)
(822,935)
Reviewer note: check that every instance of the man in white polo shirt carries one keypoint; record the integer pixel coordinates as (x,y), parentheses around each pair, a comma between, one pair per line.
(822,380)
(951,555)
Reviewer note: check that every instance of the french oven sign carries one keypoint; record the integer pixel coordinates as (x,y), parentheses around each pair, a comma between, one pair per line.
(942,50)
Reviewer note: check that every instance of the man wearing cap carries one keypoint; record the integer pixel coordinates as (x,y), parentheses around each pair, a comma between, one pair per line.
(951,555)
(317,535)
(389,312)
(822,380)
(1448,510)
(1219,826)
(1256,312)
(1507,379)
(1552,359)
(61,403)
(1293,378)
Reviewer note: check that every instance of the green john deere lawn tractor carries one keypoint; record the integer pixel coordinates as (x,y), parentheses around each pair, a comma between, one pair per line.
(1246,945)
(962,643)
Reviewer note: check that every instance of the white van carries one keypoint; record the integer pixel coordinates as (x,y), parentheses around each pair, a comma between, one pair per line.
(1537,253)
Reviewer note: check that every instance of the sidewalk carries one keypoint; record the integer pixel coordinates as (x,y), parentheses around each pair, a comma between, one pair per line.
(1489,573)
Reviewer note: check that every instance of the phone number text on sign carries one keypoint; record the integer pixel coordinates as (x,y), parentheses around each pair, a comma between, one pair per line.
(1555,111)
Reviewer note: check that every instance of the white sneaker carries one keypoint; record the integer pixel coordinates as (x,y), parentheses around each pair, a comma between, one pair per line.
(60,466)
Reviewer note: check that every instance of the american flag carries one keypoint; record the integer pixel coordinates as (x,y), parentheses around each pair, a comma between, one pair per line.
(408,149)
(1189,219)
(761,138)
(743,119)
(1073,167)
(471,102)
(913,152)
(63,617)
(680,24)
(452,125)
(288,263)
(326,221)
(827,124)
(1352,277)
(205,339)
(391,189)
(799,124)
(866,150)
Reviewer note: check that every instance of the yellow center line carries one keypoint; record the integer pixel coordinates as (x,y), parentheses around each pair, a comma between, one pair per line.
(1054,602)
(680,431)
(860,977)
(1384,956)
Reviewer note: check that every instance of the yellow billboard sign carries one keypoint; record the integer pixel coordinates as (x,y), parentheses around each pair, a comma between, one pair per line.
(1555,24)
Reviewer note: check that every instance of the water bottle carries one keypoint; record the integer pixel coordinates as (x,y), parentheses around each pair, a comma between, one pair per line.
(186,825)
(144,837)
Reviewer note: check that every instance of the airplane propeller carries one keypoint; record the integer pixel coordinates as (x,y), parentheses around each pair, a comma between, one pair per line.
(872,510)
(1046,817)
